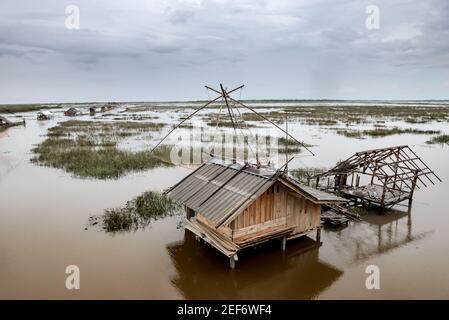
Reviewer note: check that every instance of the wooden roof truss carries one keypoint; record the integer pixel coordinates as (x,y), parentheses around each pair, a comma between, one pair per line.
(397,168)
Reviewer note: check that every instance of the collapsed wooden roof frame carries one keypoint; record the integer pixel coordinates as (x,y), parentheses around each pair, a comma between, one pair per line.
(224,95)
(407,169)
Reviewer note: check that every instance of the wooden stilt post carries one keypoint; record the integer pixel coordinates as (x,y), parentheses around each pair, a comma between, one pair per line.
(410,197)
(232,261)
(318,234)
(286,144)
(283,243)
(382,199)
(409,223)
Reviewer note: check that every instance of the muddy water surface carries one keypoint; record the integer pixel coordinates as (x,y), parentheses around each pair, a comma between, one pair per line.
(44,212)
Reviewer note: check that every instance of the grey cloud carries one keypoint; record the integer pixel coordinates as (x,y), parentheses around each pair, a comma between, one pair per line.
(321,47)
(180,16)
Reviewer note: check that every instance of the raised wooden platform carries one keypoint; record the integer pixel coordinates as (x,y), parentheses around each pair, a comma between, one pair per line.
(230,247)
(373,194)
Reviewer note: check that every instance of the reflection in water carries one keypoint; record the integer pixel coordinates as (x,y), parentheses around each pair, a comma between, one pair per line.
(375,235)
(263,273)
(394,230)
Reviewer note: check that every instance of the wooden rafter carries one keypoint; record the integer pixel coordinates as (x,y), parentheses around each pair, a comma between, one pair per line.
(394,165)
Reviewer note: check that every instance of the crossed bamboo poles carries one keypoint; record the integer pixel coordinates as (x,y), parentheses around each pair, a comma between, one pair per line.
(225,95)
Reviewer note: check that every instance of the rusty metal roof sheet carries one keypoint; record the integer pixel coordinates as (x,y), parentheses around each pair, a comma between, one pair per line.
(217,190)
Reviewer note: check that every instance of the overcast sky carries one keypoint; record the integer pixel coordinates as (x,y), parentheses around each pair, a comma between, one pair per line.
(168,50)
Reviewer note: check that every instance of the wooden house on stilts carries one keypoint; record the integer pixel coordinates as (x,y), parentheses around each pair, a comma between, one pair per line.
(235,206)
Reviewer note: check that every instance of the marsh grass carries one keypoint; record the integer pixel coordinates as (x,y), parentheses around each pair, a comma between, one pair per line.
(304,174)
(350,133)
(89,149)
(137,109)
(287,142)
(135,118)
(139,212)
(369,113)
(101,163)
(383,132)
(441,139)
(85,126)
(289,150)
(324,115)
(186,126)
(228,124)
(3,127)
(26,108)
(288,145)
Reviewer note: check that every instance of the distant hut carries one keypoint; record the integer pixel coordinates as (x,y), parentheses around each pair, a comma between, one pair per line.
(108,107)
(236,206)
(44,115)
(381,177)
(92,111)
(4,121)
(71,112)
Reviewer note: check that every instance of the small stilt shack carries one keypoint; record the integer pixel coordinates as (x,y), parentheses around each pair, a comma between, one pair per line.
(235,206)
(44,115)
(71,112)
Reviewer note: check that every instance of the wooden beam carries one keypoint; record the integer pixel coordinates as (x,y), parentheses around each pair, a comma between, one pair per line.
(227,105)
(274,124)
(188,117)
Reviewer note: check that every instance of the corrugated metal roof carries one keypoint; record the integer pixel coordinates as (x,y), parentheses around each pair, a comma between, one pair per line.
(217,190)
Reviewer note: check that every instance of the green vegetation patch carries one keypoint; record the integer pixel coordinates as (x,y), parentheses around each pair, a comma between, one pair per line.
(368,113)
(383,132)
(25,108)
(137,213)
(229,124)
(304,175)
(327,115)
(441,139)
(89,149)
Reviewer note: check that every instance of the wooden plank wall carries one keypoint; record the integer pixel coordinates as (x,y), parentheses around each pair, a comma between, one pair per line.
(302,213)
(267,207)
(276,203)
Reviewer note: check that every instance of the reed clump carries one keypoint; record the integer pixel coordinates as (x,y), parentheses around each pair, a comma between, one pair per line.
(139,212)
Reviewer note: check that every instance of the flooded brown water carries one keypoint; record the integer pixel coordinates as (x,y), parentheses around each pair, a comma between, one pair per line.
(44,212)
